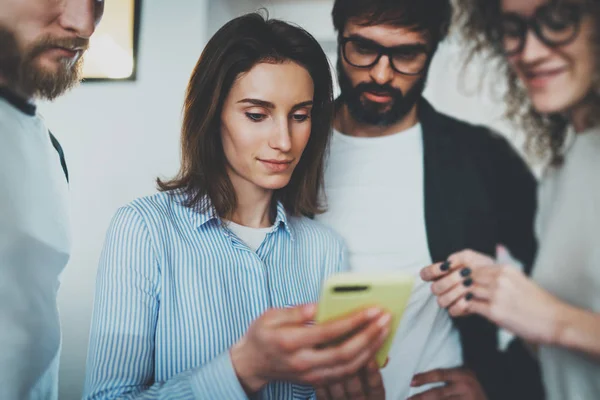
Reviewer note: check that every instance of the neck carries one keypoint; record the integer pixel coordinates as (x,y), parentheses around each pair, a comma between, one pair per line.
(4,82)
(580,116)
(344,122)
(253,204)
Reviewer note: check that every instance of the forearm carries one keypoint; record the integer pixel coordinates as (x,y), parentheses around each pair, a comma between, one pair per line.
(215,380)
(579,330)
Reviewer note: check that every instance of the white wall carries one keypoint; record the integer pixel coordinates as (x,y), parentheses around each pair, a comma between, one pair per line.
(449,89)
(118,137)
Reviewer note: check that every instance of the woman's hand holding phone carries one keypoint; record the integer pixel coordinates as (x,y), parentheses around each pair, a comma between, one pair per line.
(282,345)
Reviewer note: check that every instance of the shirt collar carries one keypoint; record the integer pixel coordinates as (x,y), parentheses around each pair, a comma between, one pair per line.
(205,212)
(282,219)
(18,102)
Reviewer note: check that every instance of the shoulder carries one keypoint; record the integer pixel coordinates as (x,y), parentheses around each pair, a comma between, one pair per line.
(471,134)
(155,212)
(308,230)
(11,120)
(484,146)
(158,205)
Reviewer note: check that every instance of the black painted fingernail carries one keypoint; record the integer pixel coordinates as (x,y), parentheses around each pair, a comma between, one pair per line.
(465,272)
(468,282)
(445,266)
(469,296)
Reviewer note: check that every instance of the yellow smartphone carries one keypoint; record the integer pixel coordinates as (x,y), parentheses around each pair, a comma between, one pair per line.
(347,292)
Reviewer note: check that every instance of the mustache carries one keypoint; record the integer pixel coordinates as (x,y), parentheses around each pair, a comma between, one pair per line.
(378,89)
(49,42)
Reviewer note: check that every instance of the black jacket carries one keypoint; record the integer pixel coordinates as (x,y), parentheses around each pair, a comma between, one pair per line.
(480,193)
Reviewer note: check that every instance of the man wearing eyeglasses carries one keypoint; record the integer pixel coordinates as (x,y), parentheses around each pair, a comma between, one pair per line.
(407,186)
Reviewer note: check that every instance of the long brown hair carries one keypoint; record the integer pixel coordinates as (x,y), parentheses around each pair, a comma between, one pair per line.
(546,133)
(233,50)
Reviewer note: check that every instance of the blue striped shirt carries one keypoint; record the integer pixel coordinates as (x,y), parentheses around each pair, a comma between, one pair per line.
(176,289)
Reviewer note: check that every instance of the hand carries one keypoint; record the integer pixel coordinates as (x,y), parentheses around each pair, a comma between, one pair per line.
(460,383)
(505,296)
(452,279)
(366,385)
(281,346)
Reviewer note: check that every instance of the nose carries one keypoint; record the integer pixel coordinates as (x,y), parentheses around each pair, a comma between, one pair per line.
(382,72)
(281,137)
(534,49)
(81,16)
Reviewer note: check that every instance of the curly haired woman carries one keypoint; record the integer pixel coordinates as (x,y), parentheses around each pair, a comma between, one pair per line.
(549,51)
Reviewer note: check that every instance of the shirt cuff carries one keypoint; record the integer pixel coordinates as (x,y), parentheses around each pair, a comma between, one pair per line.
(218,380)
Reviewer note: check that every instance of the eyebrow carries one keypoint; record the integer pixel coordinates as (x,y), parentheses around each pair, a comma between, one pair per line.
(269,105)
(408,47)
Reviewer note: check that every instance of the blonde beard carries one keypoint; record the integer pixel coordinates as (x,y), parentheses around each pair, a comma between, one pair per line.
(22,75)
(50,85)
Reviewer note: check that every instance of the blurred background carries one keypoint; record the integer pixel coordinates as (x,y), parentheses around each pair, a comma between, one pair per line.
(120,136)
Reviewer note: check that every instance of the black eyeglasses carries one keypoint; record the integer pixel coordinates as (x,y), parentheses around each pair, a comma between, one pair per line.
(555,24)
(406,59)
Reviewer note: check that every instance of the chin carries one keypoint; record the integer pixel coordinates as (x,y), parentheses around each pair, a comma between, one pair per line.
(553,104)
(275,183)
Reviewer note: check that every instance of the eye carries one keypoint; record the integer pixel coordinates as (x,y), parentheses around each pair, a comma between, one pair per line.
(559,17)
(406,55)
(512,27)
(300,117)
(255,117)
(363,48)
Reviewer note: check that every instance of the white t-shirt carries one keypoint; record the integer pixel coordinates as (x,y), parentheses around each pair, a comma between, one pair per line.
(568,259)
(252,237)
(34,248)
(375,197)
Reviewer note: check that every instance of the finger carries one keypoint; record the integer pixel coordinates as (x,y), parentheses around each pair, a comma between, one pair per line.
(482,308)
(338,362)
(436,376)
(450,281)
(330,331)
(354,388)
(452,297)
(322,393)
(374,380)
(438,393)
(435,271)
(479,292)
(298,315)
(369,339)
(337,392)
(470,258)
(461,307)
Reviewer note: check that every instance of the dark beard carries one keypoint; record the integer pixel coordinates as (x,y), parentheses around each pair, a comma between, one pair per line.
(27,78)
(371,113)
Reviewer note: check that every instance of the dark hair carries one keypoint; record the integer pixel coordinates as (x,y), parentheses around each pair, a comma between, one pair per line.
(432,17)
(235,49)
(546,133)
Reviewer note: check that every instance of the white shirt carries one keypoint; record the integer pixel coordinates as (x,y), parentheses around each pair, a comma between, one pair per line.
(252,237)
(375,197)
(568,260)
(34,249)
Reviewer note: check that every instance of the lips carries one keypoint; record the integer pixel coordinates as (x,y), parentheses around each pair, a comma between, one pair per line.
(378,97)
(276,165)
(65,52)
(540,78)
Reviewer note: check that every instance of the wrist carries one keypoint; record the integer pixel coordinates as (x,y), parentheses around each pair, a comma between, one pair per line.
(244,368)
(560,332)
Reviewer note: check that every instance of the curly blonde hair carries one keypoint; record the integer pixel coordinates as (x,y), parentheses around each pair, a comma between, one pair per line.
(546,133)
